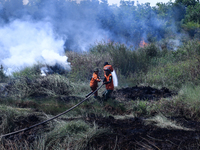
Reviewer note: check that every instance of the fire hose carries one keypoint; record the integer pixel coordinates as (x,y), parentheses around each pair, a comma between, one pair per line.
(28,128)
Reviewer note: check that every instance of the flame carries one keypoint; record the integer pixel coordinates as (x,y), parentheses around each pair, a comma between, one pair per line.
(143,43)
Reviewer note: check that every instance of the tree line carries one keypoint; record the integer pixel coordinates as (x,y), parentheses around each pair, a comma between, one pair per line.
(131,21)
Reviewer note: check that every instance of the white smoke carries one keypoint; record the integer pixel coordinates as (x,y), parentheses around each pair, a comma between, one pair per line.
(25,43)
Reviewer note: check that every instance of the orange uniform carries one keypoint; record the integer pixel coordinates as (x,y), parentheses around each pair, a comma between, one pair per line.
(108,67)
(109,86)
(94,81)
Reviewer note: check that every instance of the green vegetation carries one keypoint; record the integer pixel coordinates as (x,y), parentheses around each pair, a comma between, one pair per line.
(26,98)
(32,96)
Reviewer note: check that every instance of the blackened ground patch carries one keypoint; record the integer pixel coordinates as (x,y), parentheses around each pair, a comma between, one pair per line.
(142,93)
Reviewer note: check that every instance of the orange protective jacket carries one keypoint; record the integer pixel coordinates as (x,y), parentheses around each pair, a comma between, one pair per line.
(110,85)
(94,81)
(108,67)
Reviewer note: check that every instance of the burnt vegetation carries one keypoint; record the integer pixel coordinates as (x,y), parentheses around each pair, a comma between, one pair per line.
(155,105)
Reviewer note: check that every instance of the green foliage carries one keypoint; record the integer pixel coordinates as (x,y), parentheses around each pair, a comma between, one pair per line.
(140,108)
(171,75)
(187,2)
(116,106)
(75,127)
(171,68)
(191,27)
(186,104)
(9,117)
(190,95)
(191,20)
(74,134)
(151,51)
(188,50)
(148,65)
(2,74)
(29,72)
(123,59)
(82,65)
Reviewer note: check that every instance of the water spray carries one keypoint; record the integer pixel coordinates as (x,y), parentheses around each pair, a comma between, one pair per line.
(115,80)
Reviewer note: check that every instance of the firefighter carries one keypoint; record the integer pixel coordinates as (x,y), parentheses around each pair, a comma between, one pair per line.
(107,66)
(108,81)
(94,81)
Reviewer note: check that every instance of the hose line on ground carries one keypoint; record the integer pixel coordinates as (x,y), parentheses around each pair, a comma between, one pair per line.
(25,129)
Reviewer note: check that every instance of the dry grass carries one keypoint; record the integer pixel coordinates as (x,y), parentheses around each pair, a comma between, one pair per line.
(50,85)
(83,64)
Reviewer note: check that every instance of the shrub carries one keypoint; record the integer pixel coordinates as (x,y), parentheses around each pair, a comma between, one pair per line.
(151,51)
(188,50)
(50,85)
(124,59)
(140,108)
(2,74)
(83,64)
(190,95)
(73,135)
(29,72)
(75,127)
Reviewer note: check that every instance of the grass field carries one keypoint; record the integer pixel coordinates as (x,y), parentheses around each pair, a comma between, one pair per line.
(122,122)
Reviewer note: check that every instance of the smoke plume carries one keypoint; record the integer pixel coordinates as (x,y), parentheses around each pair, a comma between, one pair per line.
(24,43)
(41,31)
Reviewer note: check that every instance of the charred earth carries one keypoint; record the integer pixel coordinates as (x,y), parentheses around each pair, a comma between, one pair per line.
(125,132)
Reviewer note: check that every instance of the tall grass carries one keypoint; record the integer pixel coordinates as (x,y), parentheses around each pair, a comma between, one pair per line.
(10,115)
(176,69)
(51,85)
(190,95)
(186,104)
(83,65)
(65,135)
(149,65)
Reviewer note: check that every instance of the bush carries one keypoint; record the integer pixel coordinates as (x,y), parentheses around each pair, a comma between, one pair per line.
(2,75)
(83,64)
(77,127)
(151,51)
(140,108)
(50,85)
(124,59)
(29,72)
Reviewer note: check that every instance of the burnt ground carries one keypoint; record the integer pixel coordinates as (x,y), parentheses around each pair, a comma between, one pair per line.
(25,137)
(142,93)
(128,134)
(132,133)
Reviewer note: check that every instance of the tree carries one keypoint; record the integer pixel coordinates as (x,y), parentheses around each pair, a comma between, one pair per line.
(187,3)
(193,13)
